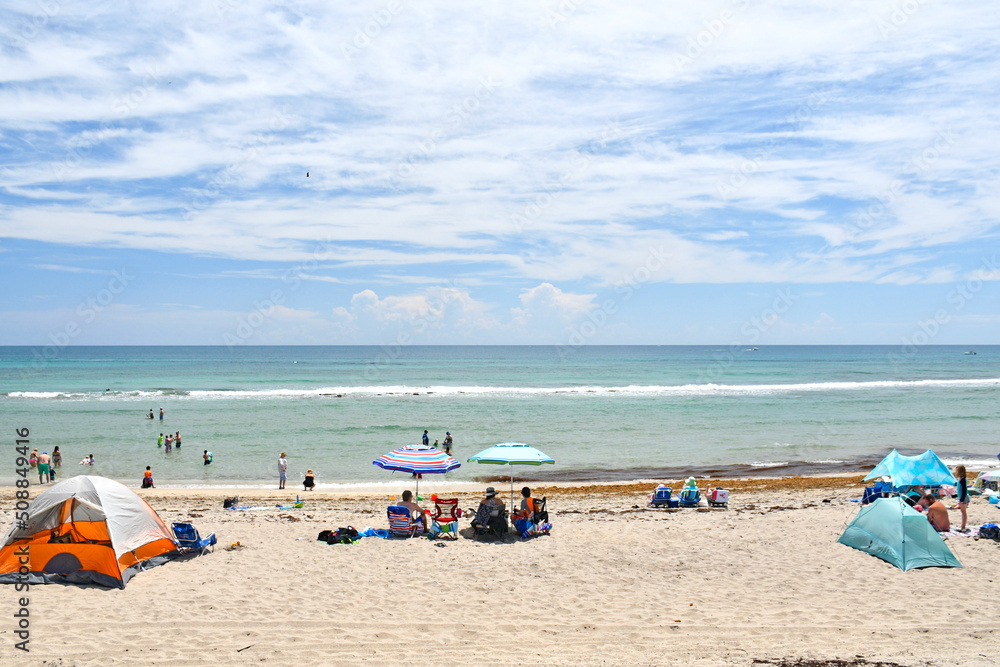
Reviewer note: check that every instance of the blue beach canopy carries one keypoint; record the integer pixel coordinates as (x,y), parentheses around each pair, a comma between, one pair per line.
(926,469)
(895,532)
(512,454)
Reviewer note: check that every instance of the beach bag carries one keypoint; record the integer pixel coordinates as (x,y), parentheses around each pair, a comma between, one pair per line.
(989,531)
(230,502)
(339,536)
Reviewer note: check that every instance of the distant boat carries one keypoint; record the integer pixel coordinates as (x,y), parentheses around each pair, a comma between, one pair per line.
(971,352)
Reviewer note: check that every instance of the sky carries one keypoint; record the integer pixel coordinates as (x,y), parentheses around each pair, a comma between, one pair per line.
(237,172)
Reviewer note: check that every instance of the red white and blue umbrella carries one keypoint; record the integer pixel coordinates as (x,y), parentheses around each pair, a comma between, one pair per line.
(417,460)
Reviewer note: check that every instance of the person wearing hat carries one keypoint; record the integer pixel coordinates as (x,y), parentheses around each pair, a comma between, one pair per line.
(282,470)
(447,443)
(490,515)
(309,482)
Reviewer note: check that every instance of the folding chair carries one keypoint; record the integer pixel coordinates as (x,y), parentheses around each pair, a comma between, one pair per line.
(401,523)
(689,497)
(189,541)
(490,520)
(445,519)
(661,497)
(541,514)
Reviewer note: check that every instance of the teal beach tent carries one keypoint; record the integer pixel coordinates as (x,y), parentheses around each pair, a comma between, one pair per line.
(926,469)
(895,532)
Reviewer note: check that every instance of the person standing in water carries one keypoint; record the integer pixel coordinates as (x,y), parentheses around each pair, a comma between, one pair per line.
(177,439)
(161,414)
(207,456)
(426,438)
(56,458)
(447,443)
(159,441)
(43,467)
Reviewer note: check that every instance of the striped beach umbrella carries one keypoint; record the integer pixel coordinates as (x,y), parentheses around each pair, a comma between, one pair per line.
(417,460)
(512,454)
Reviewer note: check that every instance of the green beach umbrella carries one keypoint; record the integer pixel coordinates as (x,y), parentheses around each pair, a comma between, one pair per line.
(512,454)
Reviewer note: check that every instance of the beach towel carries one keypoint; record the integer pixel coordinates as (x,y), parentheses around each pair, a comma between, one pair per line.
(971,531)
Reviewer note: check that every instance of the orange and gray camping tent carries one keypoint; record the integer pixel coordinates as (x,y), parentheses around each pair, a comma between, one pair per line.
(84,529)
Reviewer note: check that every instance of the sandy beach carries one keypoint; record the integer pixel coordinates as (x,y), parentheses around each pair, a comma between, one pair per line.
(760,583)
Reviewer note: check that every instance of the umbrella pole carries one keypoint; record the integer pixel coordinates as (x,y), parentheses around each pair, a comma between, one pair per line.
(511,508)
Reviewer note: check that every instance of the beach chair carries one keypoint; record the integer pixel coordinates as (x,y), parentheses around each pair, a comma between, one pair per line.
(189,541)
(490,520)
(401,523)
(873,493)
(689,498)
(660,497)
(445,519)
(541,513)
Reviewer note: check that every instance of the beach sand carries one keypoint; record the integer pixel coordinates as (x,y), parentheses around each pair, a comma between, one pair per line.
(761,583)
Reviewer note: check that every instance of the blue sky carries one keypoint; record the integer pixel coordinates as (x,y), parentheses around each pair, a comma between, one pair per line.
(566,172)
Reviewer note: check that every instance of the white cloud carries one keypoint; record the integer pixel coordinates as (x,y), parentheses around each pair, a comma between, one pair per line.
(547,303)
(747,165)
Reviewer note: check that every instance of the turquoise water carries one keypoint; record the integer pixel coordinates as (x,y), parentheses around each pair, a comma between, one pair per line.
(601,412)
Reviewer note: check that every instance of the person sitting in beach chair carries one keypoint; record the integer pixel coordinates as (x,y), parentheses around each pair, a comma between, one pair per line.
(531,518)
(491,517)
(445,519)
(690,497)
(401,523)
(417,512)
(660,497)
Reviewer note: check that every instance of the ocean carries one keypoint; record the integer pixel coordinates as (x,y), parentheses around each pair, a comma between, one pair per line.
(603,413)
